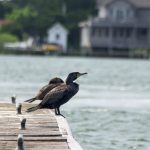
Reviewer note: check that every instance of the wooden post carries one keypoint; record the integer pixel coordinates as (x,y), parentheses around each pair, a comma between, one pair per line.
(13,99)
(20,141)
(22,123)
(18,108)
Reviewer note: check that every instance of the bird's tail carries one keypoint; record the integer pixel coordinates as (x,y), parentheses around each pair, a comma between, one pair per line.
(30,100)
(33,108)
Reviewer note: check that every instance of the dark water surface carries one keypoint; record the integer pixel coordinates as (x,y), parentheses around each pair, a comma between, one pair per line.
(111,110)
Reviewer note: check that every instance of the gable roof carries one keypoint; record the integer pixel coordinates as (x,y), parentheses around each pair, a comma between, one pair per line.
(58,25)
(136,3)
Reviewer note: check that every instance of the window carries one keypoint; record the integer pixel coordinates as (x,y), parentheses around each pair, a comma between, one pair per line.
(114,32)
(142,32)
(103,32)
(120,15)
(122,32)
(93,31)
(57,36)
(111,12)
(100,31)
(106,32)
(128,32)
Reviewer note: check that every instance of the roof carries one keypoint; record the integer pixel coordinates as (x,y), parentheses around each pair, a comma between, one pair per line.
(136,3)
(56,26)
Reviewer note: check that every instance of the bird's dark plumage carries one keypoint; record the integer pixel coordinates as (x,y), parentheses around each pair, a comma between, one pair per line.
(60,94)
(44,90)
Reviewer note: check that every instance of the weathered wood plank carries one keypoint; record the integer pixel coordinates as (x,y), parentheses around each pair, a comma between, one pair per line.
(42,131)
(36,145)
(35,138)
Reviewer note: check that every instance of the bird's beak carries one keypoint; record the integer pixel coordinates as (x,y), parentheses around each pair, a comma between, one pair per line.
(81,74)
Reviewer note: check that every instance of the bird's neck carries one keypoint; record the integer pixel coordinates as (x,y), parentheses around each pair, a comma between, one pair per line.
(69,81)
(72,84)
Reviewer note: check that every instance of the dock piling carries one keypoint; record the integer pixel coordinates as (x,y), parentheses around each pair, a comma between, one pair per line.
(13,99)
(22,123)
(20,141)
(18,108)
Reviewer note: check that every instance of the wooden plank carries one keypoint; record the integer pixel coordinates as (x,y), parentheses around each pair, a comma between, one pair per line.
(9,143)
(35,138)
(36,145)
(31,133)
(42,131)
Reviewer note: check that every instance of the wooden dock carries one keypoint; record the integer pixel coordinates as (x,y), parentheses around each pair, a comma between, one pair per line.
(42,129)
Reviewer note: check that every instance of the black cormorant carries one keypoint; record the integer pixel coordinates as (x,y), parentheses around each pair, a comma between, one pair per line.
(60,94)
(44,90)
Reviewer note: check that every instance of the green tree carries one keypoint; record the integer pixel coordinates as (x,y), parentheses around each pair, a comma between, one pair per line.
(4,8)
(34,17)
(48,11)
(77,11)
(22,21)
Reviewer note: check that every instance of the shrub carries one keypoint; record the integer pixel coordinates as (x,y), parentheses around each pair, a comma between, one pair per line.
(6,37)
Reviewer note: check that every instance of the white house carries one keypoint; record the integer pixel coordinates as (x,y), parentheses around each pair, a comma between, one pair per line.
(58,34)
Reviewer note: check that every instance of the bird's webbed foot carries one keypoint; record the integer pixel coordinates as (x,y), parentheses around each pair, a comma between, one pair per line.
(57,112)
(61,115)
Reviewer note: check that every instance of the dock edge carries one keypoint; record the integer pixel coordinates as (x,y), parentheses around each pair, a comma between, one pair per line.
(66,132)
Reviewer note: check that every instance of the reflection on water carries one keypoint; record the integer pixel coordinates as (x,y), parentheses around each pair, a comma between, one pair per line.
(111,110)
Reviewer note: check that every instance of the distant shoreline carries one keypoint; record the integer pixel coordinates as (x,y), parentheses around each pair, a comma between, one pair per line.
(73,54)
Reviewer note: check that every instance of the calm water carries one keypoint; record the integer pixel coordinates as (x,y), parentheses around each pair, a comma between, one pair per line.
(111,110)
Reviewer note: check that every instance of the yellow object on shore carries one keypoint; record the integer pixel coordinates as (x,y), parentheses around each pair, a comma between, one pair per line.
(50,47)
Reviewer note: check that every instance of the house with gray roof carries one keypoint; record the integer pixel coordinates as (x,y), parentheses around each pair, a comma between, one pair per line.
(120,25)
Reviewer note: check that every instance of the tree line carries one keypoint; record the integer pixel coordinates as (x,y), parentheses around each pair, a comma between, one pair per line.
(34,17)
